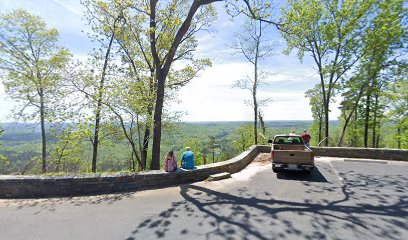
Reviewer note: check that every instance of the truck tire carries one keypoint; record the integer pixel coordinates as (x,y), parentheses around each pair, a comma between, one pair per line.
(308,171)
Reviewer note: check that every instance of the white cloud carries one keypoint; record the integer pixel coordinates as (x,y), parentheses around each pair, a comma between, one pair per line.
(72,6)
(210,96)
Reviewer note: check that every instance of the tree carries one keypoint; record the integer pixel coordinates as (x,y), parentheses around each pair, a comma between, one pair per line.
(32,61)
(263,127)
(167,27)
(351,100)
(128,109)
(383,39)
(134,98)
(104,20)
(381,42)
(331,32)
(170,25)
(315,101)
(140,74)
(398,103)
(67,150)
(243,137)
(252,43)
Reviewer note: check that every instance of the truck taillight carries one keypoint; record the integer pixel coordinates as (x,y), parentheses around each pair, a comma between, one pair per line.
(273,154)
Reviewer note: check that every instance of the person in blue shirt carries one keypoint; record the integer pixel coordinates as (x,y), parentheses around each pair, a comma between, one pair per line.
(187,159)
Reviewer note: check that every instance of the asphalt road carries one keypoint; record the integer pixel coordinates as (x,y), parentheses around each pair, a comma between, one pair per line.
(341,199)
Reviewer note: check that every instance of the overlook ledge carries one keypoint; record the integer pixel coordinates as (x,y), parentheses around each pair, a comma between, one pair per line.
(14,186)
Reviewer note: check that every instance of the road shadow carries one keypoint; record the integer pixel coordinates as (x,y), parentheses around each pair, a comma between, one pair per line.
(314,176)
(51,204)
(210,214)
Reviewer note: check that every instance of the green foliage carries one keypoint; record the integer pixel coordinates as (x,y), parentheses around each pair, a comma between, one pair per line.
(31,60)
(243,137)
(22,145)
(134,59)
(317,107)
(33,64)
(365,94)
(22,156)
(68,149)
(4,162)
(130,94)
(398,104)
(331,32)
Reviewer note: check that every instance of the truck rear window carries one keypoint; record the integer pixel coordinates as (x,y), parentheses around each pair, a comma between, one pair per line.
(294,140)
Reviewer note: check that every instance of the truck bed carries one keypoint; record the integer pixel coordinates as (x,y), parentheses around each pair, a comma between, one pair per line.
(293,156)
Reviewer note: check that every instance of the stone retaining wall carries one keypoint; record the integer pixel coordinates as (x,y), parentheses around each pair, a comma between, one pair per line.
(349,152)
(59,186)
(370,153)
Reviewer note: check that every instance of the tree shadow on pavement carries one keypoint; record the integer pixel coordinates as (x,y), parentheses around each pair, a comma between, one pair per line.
(356,212)
(50,204)
(314,176)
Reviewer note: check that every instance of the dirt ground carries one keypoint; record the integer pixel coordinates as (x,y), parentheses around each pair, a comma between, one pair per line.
(262,158)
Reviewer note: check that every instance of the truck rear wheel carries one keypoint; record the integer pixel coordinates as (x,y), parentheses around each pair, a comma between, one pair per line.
(308,171)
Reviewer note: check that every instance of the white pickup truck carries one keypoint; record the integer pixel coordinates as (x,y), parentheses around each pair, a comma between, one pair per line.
(289,152)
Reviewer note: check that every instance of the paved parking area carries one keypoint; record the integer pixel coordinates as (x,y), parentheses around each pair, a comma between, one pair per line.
(341,199)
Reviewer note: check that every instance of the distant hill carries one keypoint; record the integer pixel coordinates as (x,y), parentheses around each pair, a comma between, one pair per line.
(16,131)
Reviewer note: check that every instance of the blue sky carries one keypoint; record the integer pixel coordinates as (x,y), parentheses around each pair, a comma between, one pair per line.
(210,96)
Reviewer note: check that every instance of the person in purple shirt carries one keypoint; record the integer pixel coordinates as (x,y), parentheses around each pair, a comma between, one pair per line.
(187,159)
(306,138)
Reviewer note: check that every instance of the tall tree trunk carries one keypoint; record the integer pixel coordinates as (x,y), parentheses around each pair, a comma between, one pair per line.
(254,87)
(326,123)
(343,131)
(261,121)
(95,142)
(162,70)
(325,105)
(354,143)
(399,138)
(367,116)
(43,135)
(320,126)
(377,142)
(131,162)
(256,123)
(360,94)
(375,120)
(255,102)
(145,147)
(146,137)
(344,128)
(155,165)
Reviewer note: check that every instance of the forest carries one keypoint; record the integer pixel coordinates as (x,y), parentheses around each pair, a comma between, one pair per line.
(210,142)
(110,111)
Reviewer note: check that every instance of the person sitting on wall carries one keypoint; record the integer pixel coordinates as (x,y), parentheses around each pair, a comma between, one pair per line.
(170,162)
(187,159)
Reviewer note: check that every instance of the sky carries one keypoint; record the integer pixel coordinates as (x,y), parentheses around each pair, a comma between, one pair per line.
(210,96)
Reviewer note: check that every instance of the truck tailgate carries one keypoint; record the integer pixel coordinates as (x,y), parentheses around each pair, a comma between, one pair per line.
(293,156)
